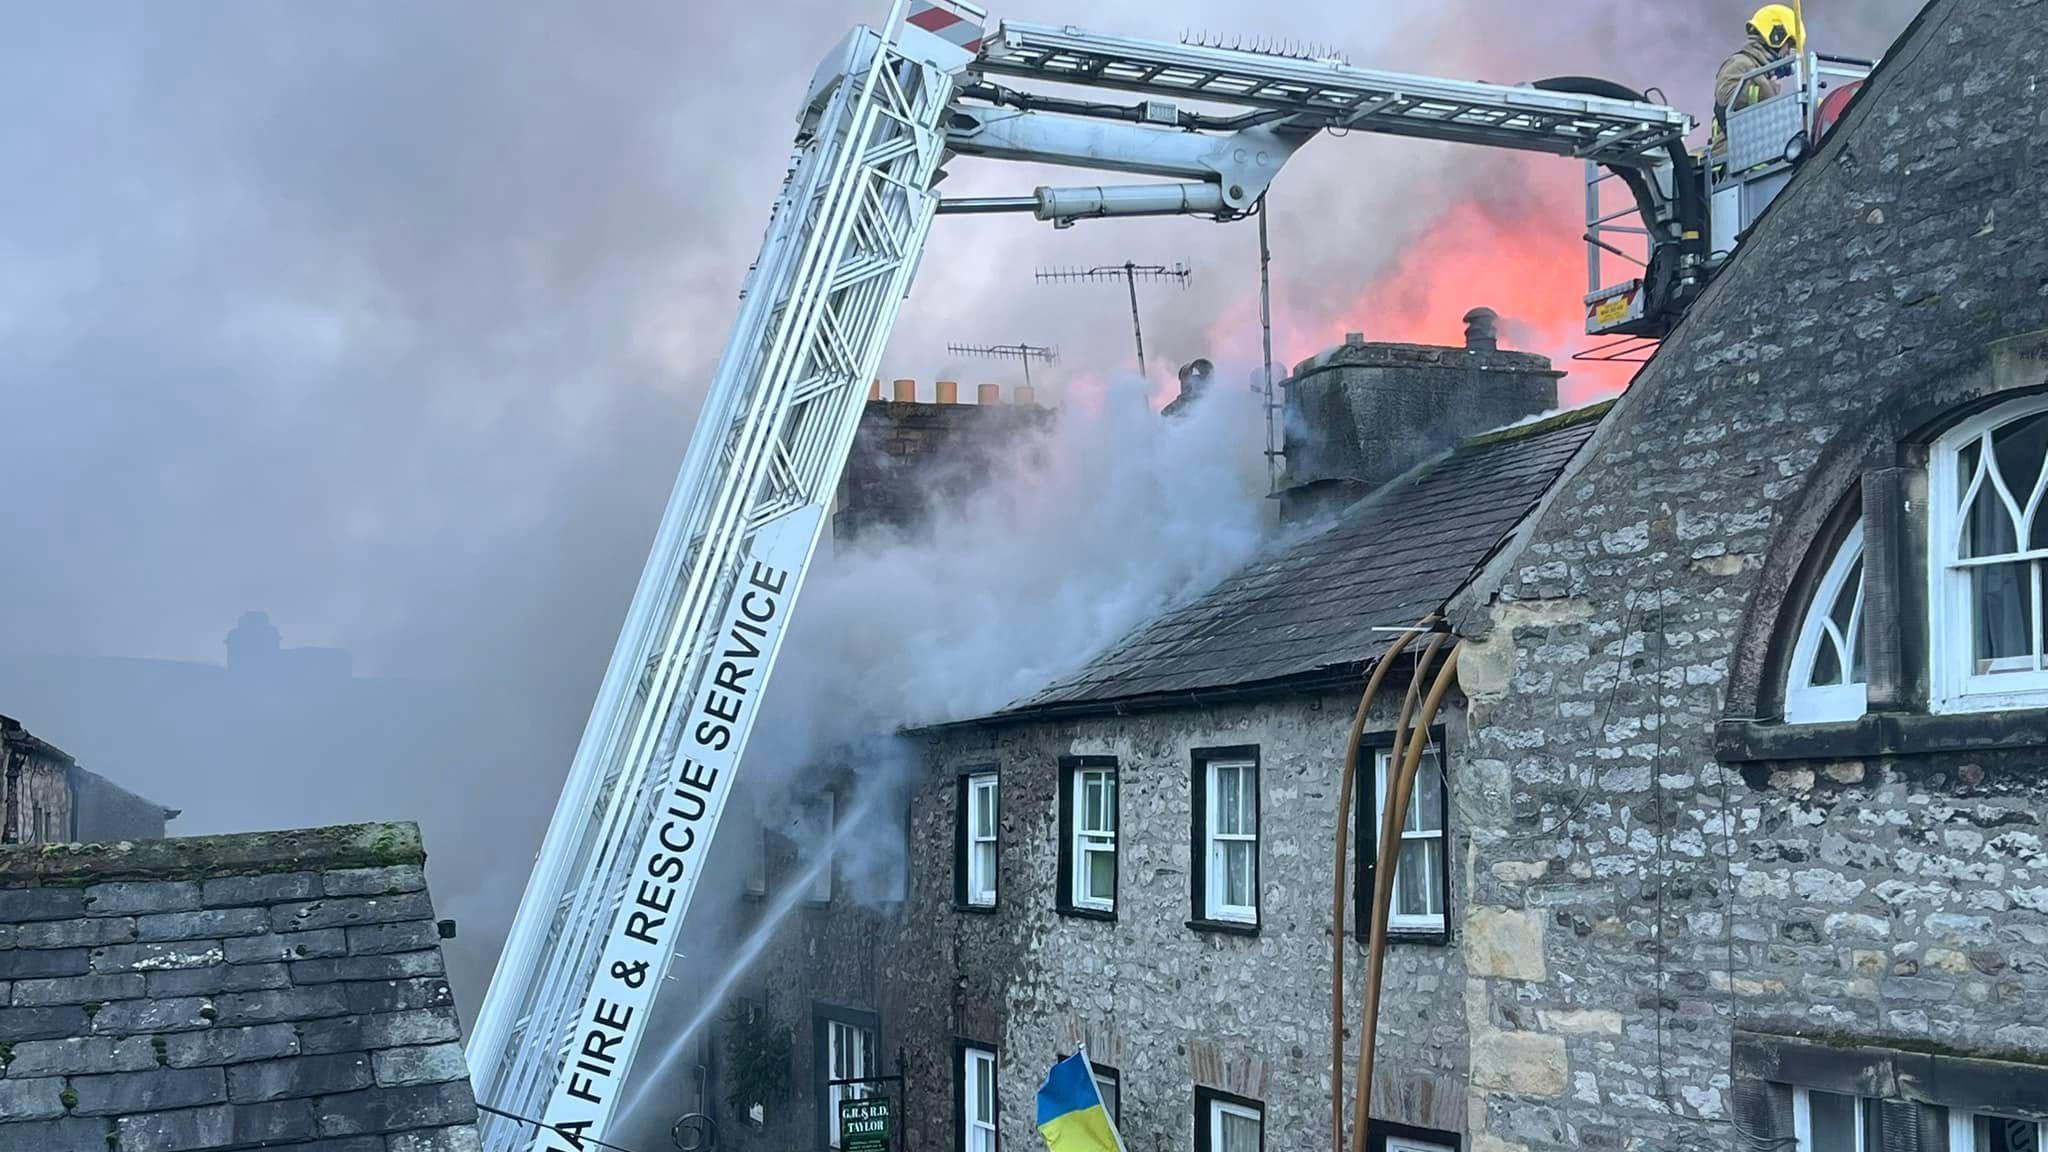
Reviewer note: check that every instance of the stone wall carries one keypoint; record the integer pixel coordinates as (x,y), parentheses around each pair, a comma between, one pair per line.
(1861,900)
(908,456)
(274,990)
(1171,1006)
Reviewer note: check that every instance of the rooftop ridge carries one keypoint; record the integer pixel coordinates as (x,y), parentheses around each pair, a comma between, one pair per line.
(192,857)
(1551,423)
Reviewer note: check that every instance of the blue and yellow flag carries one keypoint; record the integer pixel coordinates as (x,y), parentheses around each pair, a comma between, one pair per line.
(1070,1109)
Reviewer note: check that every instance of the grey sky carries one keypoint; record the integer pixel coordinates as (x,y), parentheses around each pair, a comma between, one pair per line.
(392,318)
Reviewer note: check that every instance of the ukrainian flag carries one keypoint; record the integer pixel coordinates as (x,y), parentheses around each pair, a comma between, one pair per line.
(1070,1110)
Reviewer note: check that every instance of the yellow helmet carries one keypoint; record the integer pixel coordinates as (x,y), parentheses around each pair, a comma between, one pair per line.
(1779,28)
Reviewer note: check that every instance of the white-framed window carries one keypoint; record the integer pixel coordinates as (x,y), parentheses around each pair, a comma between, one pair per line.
(1826,679)
(1983,1132)
(981,839)
(1233,1127)
(1831,1122)
(1404,1144)
(977,1100)
(1230,834)
(1420,881)
(849,1055)
(1094,850)
(1987,545)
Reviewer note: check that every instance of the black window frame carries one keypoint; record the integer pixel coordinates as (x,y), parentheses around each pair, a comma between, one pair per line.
(961,1047)
(1199,760)
(1063,899)
(1206,1096)
(1365,839)
(961,787)
(823,1013)
(1100,1070)
(1384,1130)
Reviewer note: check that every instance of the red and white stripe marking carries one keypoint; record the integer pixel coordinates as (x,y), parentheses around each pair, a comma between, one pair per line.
(943,21)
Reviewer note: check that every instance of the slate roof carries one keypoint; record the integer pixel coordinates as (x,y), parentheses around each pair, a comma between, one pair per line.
(1307,608)
(277,990)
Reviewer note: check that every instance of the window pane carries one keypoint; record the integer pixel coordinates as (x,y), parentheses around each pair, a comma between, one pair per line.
(1966,464)
(1845,599)
(1228,810)
(1109,801)
(1988,528)
(2002,598)
(1105,1083)
(984,871)
(2019,448)
(1426,802)
(1237,873)
(1091,801)
(1101,875)
(1827,662)
(1240,1133)
(1834,1122)
(1412,879)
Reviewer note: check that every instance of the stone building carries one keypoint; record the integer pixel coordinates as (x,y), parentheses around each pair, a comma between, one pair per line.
(273,990)
(908,453)
(49,799)
(1732,837)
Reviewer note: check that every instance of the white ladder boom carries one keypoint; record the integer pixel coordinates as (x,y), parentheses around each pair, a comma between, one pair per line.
(590,946)
(1336,95)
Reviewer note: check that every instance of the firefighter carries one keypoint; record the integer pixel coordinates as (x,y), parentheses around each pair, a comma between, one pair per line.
(1775,33)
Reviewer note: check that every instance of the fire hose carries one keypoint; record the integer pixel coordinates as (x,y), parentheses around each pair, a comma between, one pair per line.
(1410,741)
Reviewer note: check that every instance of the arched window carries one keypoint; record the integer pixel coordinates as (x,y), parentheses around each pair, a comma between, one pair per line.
(1826,679)
(1987,544)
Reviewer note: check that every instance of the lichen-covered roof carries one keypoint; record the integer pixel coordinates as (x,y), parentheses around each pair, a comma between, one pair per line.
(1309,606)
(276,990)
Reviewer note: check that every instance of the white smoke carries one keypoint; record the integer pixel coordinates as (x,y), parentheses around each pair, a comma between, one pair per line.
(1069,539)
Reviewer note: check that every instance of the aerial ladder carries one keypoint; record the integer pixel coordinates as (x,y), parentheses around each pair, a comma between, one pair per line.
(612,885)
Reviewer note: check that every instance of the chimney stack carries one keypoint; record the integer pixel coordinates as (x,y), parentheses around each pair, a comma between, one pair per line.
(906,391)
(949,392)
(1482,330)
(1194,380)
(986,394)
(1360,414)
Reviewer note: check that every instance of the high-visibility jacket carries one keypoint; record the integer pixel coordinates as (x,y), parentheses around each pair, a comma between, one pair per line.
(1731,91)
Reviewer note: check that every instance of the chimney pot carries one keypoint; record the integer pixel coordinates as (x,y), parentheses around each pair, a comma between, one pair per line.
(1482,330)
(949,392)
(988,393)
(906,391)
(1354,339)
(1025,395)
(875,389)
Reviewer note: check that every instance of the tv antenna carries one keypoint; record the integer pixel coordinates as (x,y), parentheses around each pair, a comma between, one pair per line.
(1130,272)
(1025,353)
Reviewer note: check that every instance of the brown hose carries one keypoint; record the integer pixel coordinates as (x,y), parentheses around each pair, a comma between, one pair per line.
(1361,1103)
(1383,882)
(1350,773)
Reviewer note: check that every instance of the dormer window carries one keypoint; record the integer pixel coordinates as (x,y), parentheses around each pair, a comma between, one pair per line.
(1988,543)
(1826,680)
